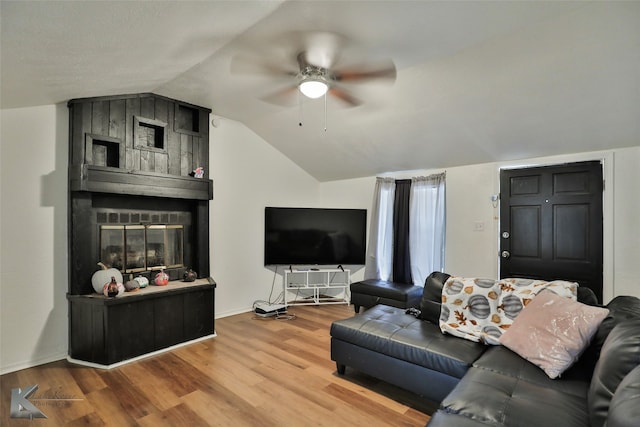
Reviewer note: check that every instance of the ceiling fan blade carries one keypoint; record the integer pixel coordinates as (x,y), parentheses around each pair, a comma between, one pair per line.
(344,96)
(382,71)
(286,97)
(241,64)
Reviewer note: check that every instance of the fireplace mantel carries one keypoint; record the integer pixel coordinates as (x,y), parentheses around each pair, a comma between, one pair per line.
(101,179)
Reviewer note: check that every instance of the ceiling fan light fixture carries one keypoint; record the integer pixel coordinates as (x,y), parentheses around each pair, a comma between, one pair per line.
(313,87)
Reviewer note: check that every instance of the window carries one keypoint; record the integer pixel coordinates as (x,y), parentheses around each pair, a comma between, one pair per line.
(424,237)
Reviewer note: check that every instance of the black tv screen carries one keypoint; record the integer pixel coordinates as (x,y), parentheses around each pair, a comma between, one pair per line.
(314,236)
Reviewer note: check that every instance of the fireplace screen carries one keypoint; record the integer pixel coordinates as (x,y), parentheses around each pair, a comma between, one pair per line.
(134,248)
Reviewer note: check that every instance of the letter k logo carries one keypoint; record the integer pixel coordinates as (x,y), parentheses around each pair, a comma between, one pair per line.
(20,405)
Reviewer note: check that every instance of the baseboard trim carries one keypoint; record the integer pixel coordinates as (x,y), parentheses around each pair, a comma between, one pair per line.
(134,359)
(32,363)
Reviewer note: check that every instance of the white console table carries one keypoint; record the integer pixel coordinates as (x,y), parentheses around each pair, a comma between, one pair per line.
(316,286)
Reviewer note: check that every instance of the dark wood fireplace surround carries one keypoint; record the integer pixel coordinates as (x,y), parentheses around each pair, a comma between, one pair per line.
(130,160)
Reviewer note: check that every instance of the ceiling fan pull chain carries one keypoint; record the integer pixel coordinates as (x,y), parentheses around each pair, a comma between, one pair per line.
(299,109)
(325,111)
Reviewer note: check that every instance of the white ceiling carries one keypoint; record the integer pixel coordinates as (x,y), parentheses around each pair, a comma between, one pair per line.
(477,81)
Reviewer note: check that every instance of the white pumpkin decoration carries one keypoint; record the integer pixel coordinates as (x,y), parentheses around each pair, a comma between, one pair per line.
(103,276)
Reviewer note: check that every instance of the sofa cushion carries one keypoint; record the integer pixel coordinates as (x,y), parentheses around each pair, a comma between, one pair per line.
(390,331)
(587,296)
(624,410)
(620,355)
(503,361)
(490,398)
(621,308)
(432,296)
(552,331)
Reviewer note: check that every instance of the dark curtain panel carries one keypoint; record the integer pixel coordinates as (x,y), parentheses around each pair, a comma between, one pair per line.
(401,258)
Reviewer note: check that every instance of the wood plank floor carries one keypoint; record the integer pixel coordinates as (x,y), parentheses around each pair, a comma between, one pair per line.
(256,372)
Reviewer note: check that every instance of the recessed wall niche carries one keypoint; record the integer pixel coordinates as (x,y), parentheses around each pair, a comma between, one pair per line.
(102,150)
(149,134)
(187,119)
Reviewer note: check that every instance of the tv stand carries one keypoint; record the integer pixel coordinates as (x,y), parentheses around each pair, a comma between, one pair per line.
(316,287)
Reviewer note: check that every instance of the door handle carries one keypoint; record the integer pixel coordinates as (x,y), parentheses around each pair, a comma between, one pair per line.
(505,254)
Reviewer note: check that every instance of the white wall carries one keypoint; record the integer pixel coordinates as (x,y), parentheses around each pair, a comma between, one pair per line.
(33,236)
(626,195)
(248,174)
(352,194)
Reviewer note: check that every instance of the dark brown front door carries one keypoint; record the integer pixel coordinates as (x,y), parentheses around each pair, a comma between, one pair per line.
(551,223)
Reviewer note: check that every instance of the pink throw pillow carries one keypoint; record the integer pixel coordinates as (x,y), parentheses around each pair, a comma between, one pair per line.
(552,331)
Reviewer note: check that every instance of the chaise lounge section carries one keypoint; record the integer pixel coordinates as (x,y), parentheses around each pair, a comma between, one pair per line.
(490,385)
(371,292)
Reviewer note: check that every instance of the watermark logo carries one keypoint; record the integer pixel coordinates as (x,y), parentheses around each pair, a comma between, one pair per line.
(25,405)
(21,407)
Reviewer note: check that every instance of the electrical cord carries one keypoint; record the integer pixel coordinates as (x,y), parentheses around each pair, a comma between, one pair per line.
(280,315)
(278,300)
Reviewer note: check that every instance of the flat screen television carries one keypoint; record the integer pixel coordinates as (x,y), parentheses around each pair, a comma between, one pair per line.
(314,236)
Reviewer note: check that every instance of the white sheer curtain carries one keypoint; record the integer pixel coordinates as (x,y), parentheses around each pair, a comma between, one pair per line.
(380,250)
(427,223)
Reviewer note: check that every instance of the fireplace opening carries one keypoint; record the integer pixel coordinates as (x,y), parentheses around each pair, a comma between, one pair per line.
(137,235)
(138,247)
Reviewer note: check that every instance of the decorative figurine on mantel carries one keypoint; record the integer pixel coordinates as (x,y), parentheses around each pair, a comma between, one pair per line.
(189,275)
(142,281)
(198,172)
(161,279)
(131,285)
(113,288)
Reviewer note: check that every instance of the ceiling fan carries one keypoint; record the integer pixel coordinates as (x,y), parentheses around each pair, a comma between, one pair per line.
(311,67)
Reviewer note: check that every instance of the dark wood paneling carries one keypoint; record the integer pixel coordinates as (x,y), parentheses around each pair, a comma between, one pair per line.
(148,107)
(132,161)
(117,126)
(183,150)
(162,110)
(201,238)
(82,235)
(198,314)
(147,161)
(100,118)
(109,180)
(151,177)
(161,163)
(186,154)
(169,320)
(110,330)
(173,146)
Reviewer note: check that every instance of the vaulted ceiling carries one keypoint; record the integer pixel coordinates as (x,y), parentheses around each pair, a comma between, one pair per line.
(477,81)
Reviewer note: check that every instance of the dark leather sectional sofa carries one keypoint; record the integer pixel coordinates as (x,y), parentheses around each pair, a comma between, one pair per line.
(479,385)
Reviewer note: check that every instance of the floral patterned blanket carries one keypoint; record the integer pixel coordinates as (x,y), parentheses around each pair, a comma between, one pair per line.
(482,309)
